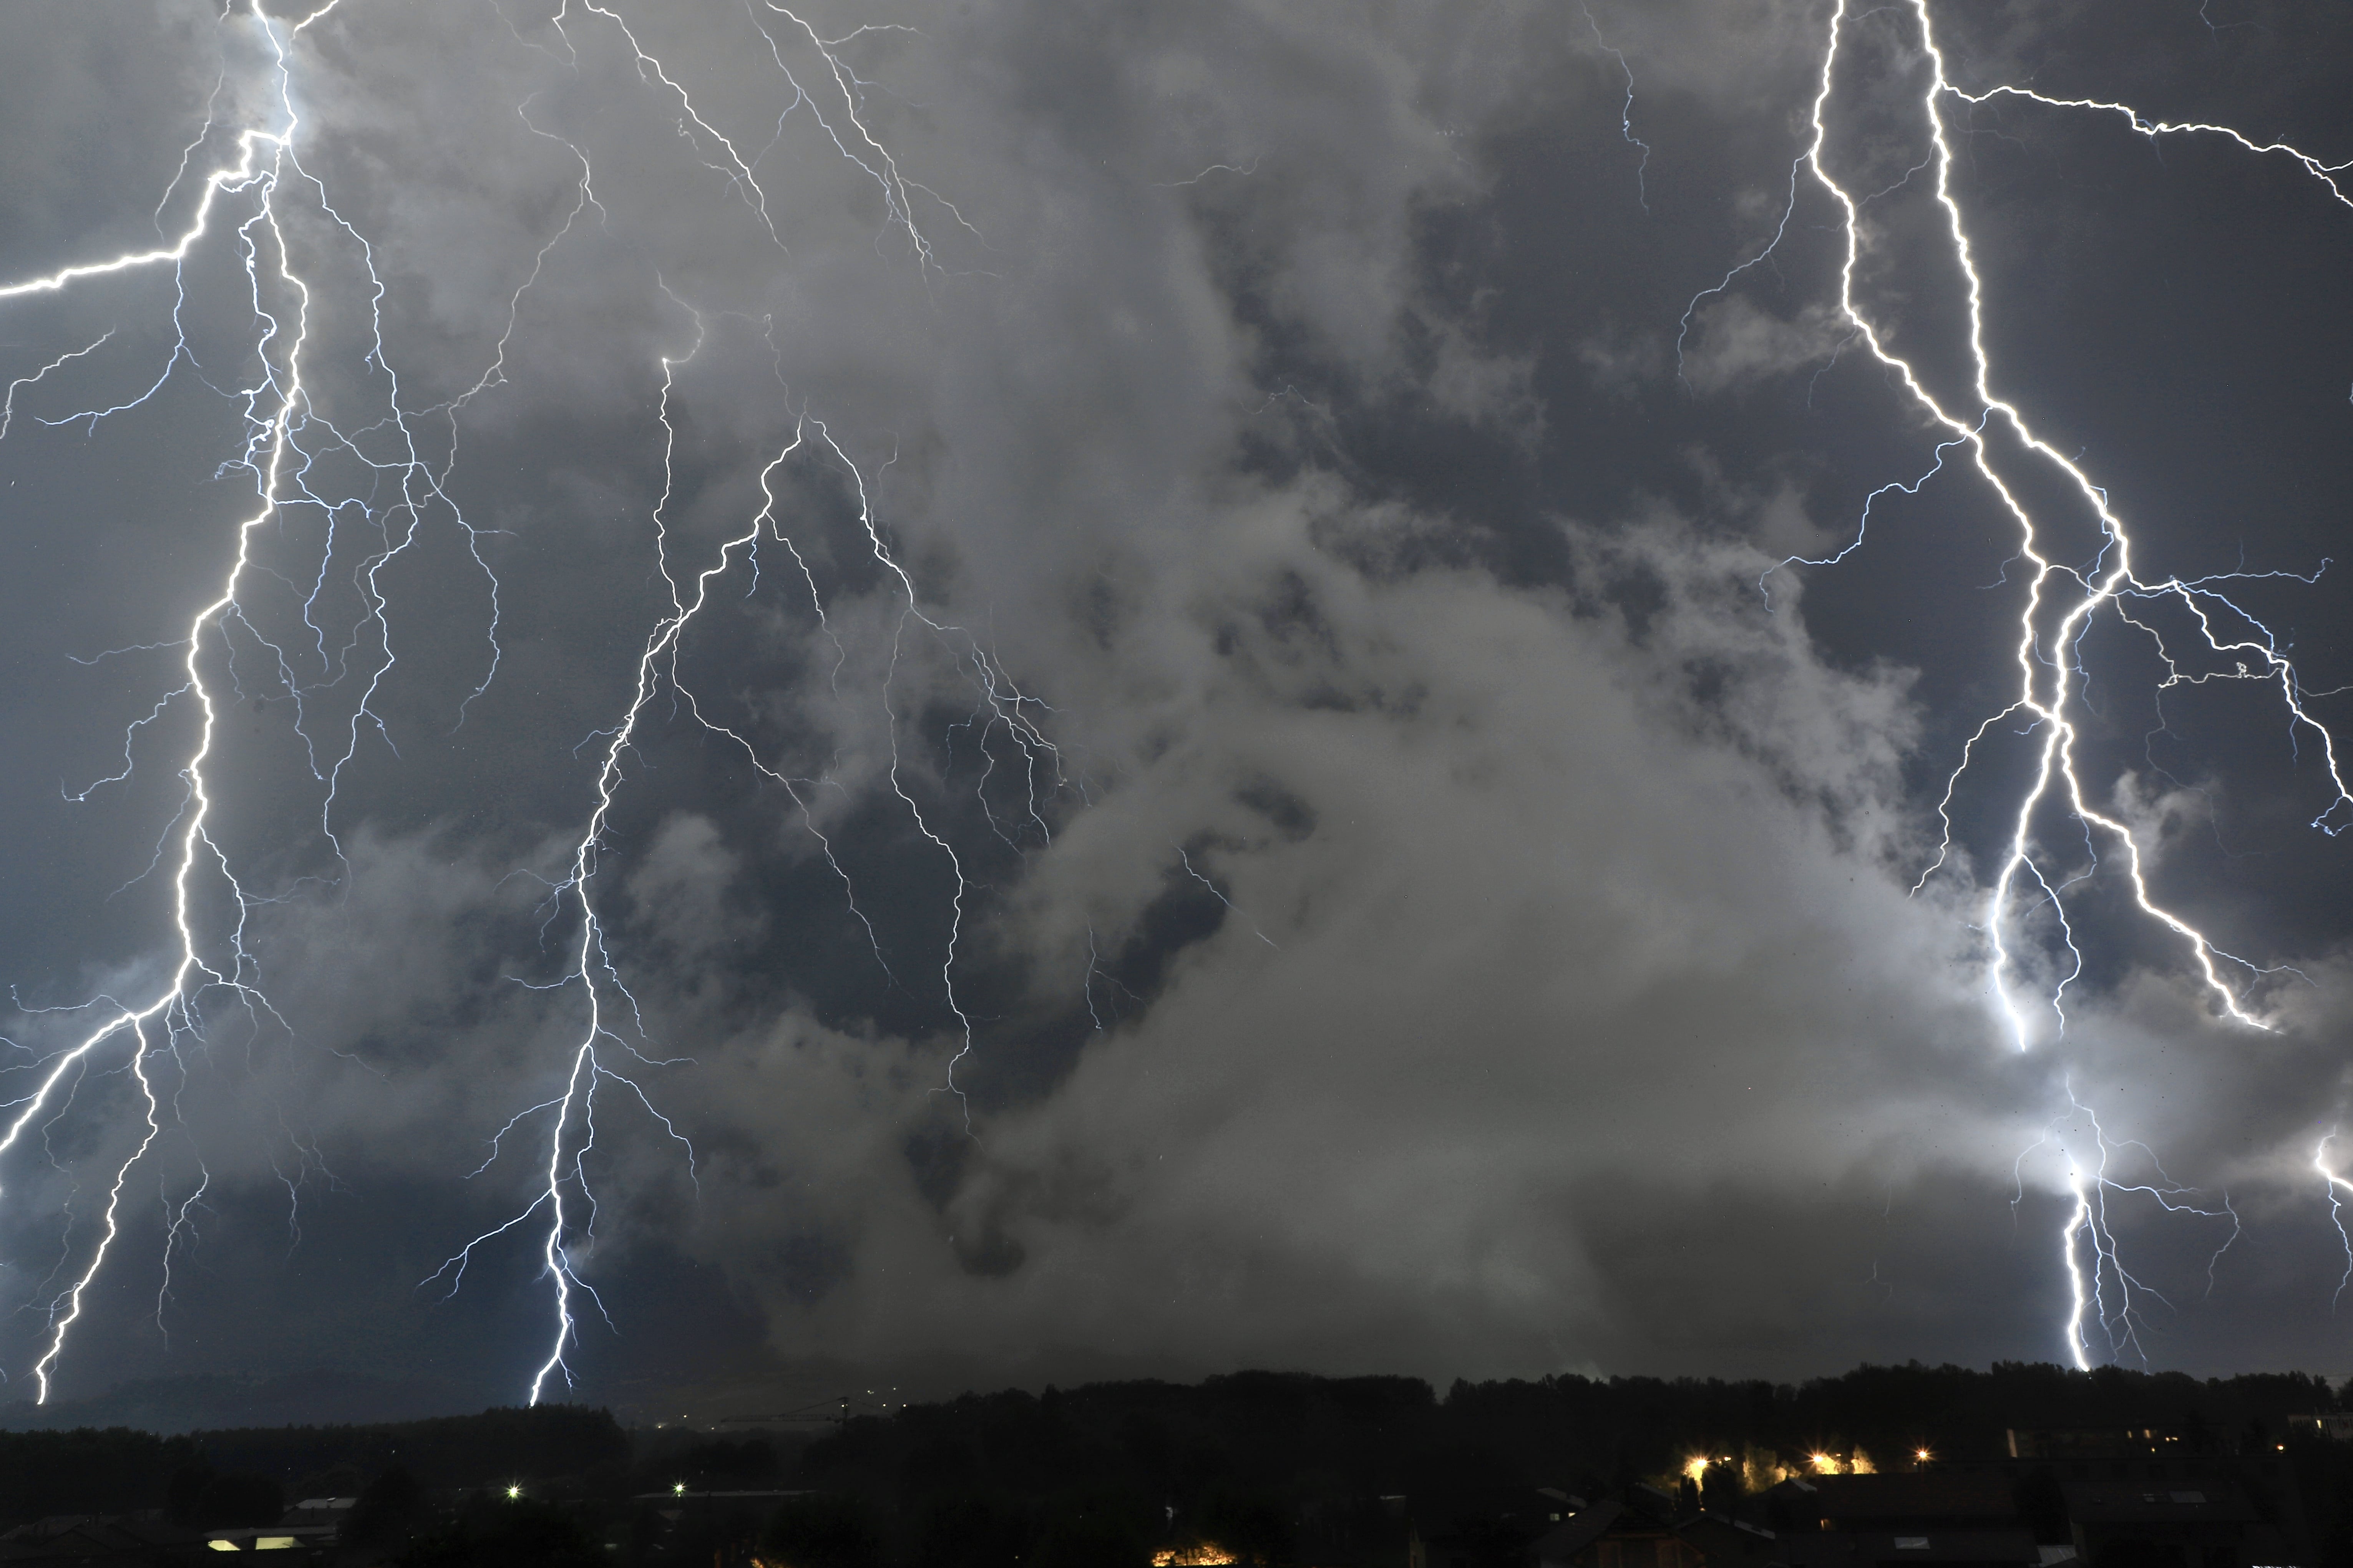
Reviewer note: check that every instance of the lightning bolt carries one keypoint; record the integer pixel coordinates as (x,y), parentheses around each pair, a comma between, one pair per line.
(565,1199)
(1219,894)
(1625,112)
(2332,1185)
(2061,601)
(2326,174)
(592,968)
(2049,689)
(287,448)
(2102,1291)
(265,158)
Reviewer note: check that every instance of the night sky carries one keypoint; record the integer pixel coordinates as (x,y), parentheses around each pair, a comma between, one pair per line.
(1164,635)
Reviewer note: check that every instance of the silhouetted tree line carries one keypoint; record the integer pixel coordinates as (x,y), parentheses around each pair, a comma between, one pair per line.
(495,1447)
(216,1480)
(1298,1434)
(1276,1467)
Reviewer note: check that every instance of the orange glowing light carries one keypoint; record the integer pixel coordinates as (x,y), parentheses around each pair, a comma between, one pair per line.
(1207,1554)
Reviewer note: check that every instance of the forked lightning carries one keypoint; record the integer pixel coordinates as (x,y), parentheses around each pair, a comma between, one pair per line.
(2061,601)
(287,434)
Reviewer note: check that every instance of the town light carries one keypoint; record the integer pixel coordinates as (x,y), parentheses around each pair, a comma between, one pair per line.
(514,1492)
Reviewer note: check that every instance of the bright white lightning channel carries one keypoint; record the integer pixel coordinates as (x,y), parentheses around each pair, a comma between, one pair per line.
(2105,1292)
(265,157)
(287,435)
(2049,691)
(2338,1190)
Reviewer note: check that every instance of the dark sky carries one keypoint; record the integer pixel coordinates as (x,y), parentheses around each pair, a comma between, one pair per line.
(1147,621)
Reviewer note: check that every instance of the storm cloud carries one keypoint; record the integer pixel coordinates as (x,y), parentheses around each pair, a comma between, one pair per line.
(1267,795)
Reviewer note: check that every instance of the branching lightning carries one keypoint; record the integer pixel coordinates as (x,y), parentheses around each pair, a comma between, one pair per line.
(2103,1292)
(2047,654)
(264,159)
(2061,601)
(288,438)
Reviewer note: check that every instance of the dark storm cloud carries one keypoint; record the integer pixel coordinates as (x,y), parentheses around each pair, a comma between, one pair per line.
(1461,925)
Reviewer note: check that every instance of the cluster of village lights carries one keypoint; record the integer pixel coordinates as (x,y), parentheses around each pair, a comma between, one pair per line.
(1825,1464)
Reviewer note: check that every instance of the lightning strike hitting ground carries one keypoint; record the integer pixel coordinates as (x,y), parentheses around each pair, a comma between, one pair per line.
(2088,1228)
(2063,601)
